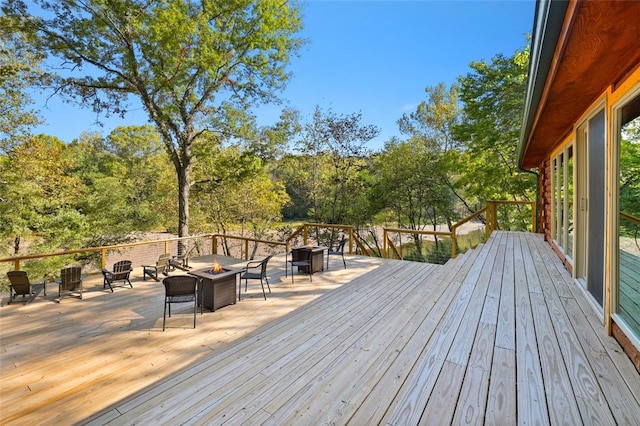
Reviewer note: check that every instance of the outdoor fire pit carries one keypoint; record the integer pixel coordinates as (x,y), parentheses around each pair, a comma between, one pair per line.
(217,285)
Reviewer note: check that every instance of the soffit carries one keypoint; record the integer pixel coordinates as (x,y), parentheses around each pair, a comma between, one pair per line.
(600,46)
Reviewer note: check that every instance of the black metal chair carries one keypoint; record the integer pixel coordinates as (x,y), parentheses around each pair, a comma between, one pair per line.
(121,271)
(19,285)
(180,289)
(260,266)
(301,258)
(338,251)
(70,282)
(161,267)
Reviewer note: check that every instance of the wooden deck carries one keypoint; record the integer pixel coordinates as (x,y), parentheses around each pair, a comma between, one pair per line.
(498,336)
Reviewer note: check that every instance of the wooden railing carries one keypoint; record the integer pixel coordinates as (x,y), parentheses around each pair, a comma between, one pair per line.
(388,246)
(244,253)
(491,224)
(630,218)
(305,227)
(102,249)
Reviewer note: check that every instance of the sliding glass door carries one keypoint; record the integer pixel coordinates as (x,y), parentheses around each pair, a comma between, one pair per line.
(628,262)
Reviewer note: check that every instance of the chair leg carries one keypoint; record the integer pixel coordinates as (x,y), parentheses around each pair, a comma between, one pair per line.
(164,316)
(263,292)
(267,280)
(344,262)
(195,310)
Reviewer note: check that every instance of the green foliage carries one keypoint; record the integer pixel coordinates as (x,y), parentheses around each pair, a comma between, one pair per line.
(630,169)
(89,193)
(433,120)
(37,193)
(19,69)
(493,99)
(411,184)
(233,188)
(194,66)
(333,164)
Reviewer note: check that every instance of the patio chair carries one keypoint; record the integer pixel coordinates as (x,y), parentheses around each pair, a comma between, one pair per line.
(19,285)
(179,262)
(70,282)
(338,251)
(154,271)
(301,258)
(180,289)
(260,268)
(120,272)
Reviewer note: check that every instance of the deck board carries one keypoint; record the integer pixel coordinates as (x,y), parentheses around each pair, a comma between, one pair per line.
(500,335)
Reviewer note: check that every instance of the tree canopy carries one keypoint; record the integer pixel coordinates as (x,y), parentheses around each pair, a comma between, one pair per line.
(191,64)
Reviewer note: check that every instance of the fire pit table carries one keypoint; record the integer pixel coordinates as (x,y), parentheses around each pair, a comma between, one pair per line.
(217,287)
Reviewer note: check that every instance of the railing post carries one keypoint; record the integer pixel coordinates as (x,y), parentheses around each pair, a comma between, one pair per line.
(16,265)
(453,243)
(166,246)
(103,258)
(489,224)
(351,240)
(305,235)
(214,244)
(246,249)
(384,243)
(534,215)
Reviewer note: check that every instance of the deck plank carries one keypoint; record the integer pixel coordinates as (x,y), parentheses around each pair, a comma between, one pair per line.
(382,394)
(606,364)
(531,401)
(408,406)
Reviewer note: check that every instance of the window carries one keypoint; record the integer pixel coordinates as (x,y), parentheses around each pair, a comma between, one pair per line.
(628,289)
(562,182)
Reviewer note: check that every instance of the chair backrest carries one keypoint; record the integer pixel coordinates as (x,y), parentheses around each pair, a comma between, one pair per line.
(263,265)
(121,269)
(301,255)
(342,244)
(163,262)
(180,285)
(70,278)
(122,266)
(19,281)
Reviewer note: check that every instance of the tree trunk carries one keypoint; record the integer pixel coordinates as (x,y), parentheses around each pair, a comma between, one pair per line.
(184,189)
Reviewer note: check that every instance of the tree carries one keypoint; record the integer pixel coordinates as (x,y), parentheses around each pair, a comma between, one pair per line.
(19,69)
(191,64)
(630,170)
(335,147)
(433,120)
(410,186)
(39,196)
(493,97)
(129,180)
(233,188)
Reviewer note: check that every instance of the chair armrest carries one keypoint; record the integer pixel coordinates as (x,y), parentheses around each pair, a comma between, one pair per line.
(254,264)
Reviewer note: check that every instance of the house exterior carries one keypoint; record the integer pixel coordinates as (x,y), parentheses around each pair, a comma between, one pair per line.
(581,133)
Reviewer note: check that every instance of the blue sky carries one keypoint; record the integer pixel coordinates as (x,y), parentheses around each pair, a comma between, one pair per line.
(373,57)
